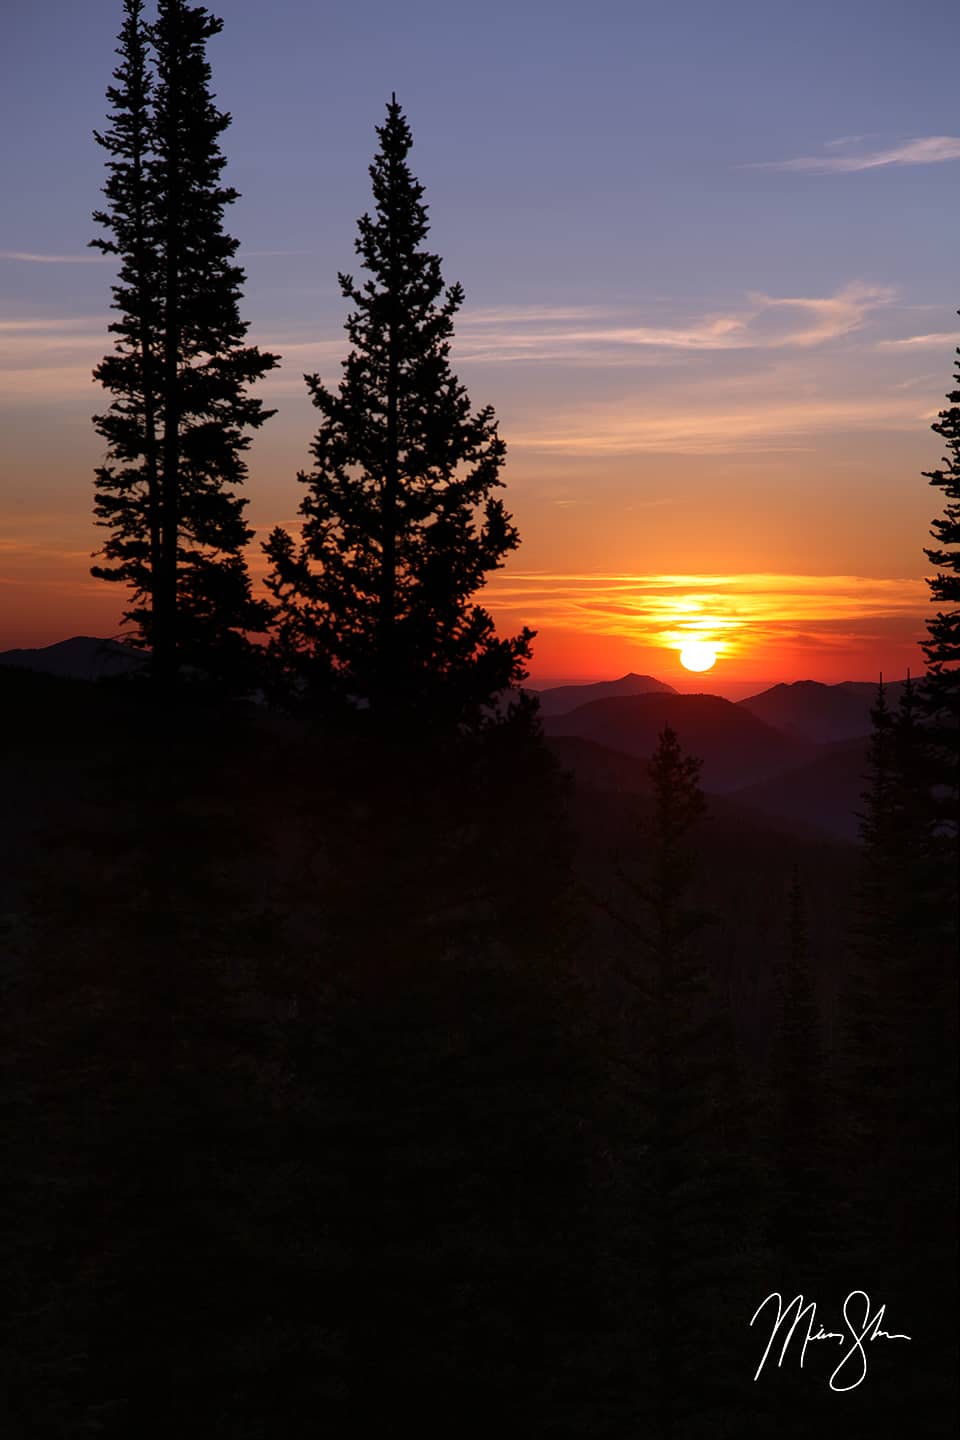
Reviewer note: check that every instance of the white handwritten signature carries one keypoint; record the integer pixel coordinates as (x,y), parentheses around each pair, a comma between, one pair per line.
(868,1330)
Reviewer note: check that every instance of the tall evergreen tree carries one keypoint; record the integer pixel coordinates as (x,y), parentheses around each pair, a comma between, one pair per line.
(180,368)
(400,522)
(128,498)
(940,700)
(940,693)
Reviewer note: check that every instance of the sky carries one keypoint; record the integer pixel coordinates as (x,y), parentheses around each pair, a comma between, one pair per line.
(709,256)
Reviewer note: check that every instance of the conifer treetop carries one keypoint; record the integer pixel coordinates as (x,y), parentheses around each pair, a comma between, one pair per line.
(943,647)
(177,427)
(400,522)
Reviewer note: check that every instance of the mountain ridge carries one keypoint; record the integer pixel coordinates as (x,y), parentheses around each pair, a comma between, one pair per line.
(820,712)
(737,748)
(559,699)
(80,657)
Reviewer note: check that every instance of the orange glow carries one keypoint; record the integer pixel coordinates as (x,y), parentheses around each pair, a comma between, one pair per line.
(787,626)
(591,626)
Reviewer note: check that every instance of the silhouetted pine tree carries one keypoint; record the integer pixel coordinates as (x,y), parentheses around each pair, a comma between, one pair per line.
(401,525)
(128,500)
(180,369)
(940,701)
(940,694)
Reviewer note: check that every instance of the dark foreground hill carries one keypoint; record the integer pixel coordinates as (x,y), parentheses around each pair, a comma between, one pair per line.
(327,1076)
(737,748)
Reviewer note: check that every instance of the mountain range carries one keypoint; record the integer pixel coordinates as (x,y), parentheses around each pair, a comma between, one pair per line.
(736,747)
(562,698)
(795,753)
(820,712)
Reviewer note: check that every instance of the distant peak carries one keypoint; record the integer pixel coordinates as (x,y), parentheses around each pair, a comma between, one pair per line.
(77,641)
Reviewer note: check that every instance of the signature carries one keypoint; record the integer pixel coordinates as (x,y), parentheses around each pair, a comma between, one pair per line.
(860,1329)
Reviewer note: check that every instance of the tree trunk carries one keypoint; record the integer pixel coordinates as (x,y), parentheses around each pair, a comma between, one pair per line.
(386,681)
(166,639)
(149,400)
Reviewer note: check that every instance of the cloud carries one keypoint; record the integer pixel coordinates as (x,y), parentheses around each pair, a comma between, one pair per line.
(55,326)
(550,314)
(929,150)
(605,337)
(31,258)
(826,318)
(55,355)
(50,358)
(779,424)
(921,342)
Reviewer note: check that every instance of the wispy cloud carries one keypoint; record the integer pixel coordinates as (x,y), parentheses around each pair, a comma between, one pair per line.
(95,257)
(921,342)
(605,337)
(548,314)
(816,320)
(61,325)
(47,358)
(30,257)
(601,337)
(844,140)
(928,150)
(54,356)
(778,424)
(39,352)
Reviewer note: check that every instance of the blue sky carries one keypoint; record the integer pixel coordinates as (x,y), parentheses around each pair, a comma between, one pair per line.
(709,254)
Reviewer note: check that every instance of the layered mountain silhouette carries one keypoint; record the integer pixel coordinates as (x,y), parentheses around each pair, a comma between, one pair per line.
(736,747)
(794,754)
(820,712)
(827,791)
(561,699)
(82,657)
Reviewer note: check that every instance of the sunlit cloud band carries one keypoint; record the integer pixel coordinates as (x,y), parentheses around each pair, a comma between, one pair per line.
(740,613)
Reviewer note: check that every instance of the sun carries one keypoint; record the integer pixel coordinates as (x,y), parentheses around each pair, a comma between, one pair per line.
(698,655)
